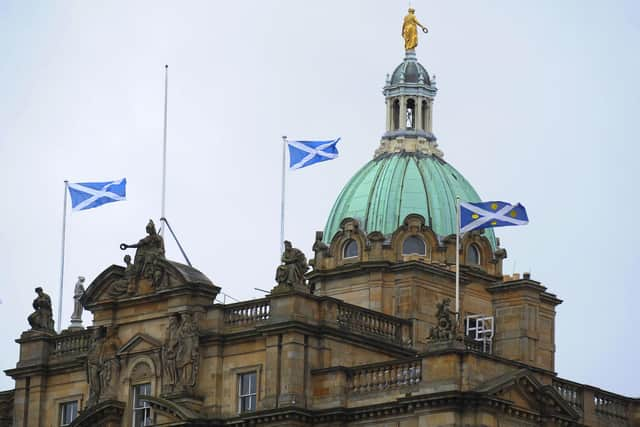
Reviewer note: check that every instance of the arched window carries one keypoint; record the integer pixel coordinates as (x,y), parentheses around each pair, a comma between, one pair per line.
(425,112)
(396,114)
(473,254)
(350,249)
(411,114)
(414,245)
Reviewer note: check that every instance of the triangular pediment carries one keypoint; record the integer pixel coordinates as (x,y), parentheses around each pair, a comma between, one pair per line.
(140,343)
(524,391)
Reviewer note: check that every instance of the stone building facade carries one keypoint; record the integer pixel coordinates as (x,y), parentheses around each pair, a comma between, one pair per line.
(366,337)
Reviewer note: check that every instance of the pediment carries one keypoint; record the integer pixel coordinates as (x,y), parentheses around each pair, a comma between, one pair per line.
(524,391)
(103,414)
(114,284)
(173,411)
(140,343)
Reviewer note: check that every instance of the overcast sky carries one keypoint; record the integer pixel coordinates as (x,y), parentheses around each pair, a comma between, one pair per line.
(538,103)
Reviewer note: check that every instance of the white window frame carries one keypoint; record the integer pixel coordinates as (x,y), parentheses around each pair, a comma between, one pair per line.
(145,408)
(483,330)
(248,394)
(62,407)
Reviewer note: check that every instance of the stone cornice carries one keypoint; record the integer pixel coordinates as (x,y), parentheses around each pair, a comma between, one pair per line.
(455,401)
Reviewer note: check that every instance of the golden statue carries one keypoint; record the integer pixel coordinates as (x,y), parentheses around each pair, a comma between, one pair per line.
(410,30)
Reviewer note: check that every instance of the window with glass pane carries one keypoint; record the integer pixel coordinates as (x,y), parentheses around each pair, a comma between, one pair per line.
(414,245)
(141,408)
(350,249)
(473,255)
(68,412)
(247,392)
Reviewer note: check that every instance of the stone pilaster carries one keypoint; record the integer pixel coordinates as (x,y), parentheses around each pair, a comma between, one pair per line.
(292,389)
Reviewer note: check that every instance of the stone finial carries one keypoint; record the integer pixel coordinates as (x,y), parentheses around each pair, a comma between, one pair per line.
(319,245)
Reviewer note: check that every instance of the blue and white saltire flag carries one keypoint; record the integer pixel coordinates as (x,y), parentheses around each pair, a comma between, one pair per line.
(87,195)
(306,153)
(474,216)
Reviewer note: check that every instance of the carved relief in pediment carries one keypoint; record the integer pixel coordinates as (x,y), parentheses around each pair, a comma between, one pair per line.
(525,392)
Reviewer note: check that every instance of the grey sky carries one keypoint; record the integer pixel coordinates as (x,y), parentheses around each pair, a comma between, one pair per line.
(538,103)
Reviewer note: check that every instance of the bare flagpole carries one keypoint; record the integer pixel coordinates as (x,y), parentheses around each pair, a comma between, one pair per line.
(284,156)
(458,258)
(64,233)
(164,147)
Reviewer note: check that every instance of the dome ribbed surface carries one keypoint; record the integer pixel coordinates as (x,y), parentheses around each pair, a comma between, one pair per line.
(411,70)
(392,186)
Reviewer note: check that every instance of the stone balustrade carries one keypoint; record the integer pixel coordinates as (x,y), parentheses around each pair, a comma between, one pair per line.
(247,313)
(570,392)
(597,406)
(71,343)
(384,376)
(368,322)
(608,405)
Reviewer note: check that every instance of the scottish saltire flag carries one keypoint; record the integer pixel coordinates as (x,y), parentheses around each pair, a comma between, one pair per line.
(474,216)
(306,153)
(87,195)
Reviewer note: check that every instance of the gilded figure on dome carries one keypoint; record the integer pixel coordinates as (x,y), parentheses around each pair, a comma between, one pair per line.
(410,30)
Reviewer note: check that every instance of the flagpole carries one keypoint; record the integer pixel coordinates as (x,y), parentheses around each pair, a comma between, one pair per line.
(284,156)
(164,147)
(64,233)
(458,258)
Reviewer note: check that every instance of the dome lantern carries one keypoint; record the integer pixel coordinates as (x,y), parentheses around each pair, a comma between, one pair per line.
(409,93)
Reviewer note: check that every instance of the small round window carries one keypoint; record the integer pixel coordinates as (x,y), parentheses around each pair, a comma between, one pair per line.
(350,249)
(473,255)
(414,245)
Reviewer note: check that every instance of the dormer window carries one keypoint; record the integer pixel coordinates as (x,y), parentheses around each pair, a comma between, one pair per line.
(414,245)
(350,249)
(473,254)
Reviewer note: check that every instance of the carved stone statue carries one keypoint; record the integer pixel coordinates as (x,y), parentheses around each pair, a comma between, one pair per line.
(446,327)
(294,265)
(169,354)
(187,352)
(103,365)
(149,255)
(128,283)
(94,366)
(181,354)
(410,30)
(76,316)
(42,318)
(110,365)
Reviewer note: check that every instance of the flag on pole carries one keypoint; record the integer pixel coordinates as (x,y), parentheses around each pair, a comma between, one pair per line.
(87,195)
(474,216)
(306,153)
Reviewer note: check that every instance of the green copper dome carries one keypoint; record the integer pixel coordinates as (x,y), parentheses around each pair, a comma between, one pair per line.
(394,185)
